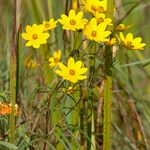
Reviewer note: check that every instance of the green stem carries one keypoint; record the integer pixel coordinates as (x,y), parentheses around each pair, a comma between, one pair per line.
(48,75)
(90,97)
(108,85)
(50,4)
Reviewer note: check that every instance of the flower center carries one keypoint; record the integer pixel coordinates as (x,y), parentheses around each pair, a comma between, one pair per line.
(129,44)
(94,33)
(72,22)
(47,25)
(93,8)
(34,36)
(100,9)
(72,72)
(100,20)
(56,60)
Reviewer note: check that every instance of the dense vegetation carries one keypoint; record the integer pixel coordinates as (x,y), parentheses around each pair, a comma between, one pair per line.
(74,74)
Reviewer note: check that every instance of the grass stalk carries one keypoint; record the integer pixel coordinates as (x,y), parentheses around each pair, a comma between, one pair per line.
(93,146)
(35,11)
(108,86)
(13,68)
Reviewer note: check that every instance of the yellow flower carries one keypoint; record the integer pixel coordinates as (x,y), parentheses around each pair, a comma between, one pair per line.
(31,63)
(111,42)
(48,25)
(54,61)
(122,27)
(96,32)
(100,17)
(94,6)
(130,43)
(70,90)
(73,71)
(73,21)
(139,136)
(75,4)
(35,35)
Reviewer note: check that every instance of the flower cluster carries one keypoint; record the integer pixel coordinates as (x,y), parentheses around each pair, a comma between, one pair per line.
(31,64)
(6,109)
(37,34)
(54,61)
(72,72)
(97,27)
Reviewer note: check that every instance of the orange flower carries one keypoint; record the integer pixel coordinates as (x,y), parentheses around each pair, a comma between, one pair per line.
(6,109)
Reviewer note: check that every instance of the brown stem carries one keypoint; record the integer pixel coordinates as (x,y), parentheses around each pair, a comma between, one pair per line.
(14,34)
(13,72)
(47,123)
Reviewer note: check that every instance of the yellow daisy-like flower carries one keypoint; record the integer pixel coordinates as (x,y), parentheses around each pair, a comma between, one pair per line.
(35,35)
(73,71)
(95,31)
(122,27)
(100,17)
(94,6)
(48,25)
(111,42)
(131,43)
(73,21)
(54,61)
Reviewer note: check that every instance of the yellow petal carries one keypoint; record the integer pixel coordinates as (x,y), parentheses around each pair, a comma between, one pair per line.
(83,70)
(80,15)
(62,66)
(82,77)
(71,13)
(25,36)
(78,64)
(129,37)
(122,38)
(51,59)
(70,62)
(137,40)
(36,45)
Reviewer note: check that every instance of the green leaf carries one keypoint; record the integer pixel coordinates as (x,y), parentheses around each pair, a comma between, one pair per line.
(8,145)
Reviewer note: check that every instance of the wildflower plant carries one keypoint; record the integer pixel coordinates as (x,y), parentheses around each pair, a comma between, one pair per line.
(96,32)
(74,71)
(55,60)
(73,21)
(130,43)
(48,25)
(35,35)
